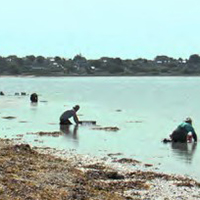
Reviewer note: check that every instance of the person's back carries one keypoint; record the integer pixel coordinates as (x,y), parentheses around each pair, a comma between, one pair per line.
(64,118)
(181,132)
(66,115)
(186,126)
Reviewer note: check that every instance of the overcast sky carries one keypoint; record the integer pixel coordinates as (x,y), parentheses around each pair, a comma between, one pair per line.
(95,28)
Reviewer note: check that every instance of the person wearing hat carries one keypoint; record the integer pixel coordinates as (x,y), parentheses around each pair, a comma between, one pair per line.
(180,134)
(64,118)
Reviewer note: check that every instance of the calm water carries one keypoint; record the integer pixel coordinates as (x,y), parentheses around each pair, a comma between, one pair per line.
(146,109)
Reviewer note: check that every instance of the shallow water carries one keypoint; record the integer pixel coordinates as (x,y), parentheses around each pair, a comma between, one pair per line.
(145,109)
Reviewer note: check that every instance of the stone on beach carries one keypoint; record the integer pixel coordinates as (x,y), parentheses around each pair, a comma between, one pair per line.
(106,128)
(9,117)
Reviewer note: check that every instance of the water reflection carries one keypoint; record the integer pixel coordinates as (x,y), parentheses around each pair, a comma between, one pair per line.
(34,104)
(67,130)
(184,151)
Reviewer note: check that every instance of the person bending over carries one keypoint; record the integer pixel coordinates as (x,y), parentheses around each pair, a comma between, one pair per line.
(180,134)
(64,118)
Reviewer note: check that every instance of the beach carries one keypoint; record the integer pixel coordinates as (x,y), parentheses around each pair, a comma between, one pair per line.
(29,172)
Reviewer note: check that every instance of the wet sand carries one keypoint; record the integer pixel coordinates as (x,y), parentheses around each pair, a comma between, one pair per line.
(42,173)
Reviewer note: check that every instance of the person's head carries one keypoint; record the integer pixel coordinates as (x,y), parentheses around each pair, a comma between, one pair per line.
(188,120)
(76,107)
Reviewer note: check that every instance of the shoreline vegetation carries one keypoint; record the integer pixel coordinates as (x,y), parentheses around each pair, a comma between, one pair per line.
(161,65)
(43,173)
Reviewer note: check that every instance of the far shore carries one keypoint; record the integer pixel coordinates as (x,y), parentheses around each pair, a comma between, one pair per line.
(108,75)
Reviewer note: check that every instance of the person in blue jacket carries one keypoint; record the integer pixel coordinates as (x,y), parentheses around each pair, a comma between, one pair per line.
(180,134)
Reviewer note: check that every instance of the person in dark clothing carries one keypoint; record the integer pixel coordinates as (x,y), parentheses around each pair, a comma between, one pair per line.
(180,134)
(64,118)
(34,98)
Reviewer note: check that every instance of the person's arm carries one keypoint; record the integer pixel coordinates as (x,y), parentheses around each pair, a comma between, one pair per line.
(194,135)
(190,128)
(76,118)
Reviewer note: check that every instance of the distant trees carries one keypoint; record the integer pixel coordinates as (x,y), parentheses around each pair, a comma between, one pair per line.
(115,65)
(194,59)
(78,58)
(38,65)
(95,63)
(57,59)
(31,58)
(40,59)
(3,62)
(163,59)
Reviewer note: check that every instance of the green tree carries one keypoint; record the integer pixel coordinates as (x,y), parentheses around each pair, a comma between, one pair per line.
(194,59)
(95,63)
(31,58)
(40,59)
(114,68)
(57,59)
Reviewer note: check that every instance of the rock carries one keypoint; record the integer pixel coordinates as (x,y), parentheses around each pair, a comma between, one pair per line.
(9,117)
(148,165)
(106,128)
(114,175)
(22,147)
(127,160)
(114,154)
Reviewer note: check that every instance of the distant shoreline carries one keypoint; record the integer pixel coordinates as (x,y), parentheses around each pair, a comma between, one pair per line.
(36,76)
(105,66)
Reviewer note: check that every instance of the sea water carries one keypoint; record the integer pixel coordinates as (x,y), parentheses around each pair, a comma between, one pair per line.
(145,109)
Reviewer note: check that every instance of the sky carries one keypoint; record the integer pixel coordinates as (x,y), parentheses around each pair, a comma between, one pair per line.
(128,29)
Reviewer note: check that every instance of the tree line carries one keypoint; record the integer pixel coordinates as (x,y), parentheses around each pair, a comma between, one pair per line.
(80,66)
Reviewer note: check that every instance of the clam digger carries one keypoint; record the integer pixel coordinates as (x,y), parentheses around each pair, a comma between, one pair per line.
(64,118)
(183,133)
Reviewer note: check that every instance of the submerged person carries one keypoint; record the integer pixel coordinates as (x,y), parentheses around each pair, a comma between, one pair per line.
(64,118)
(180,134)
(34,98)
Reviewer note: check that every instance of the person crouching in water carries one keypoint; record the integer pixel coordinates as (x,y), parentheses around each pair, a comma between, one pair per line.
(64,118)
(180,134)
(34,98)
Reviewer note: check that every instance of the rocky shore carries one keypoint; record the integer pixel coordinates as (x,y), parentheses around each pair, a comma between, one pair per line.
(30,173)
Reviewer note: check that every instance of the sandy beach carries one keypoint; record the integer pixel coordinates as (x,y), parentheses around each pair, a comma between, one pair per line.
(44,173)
